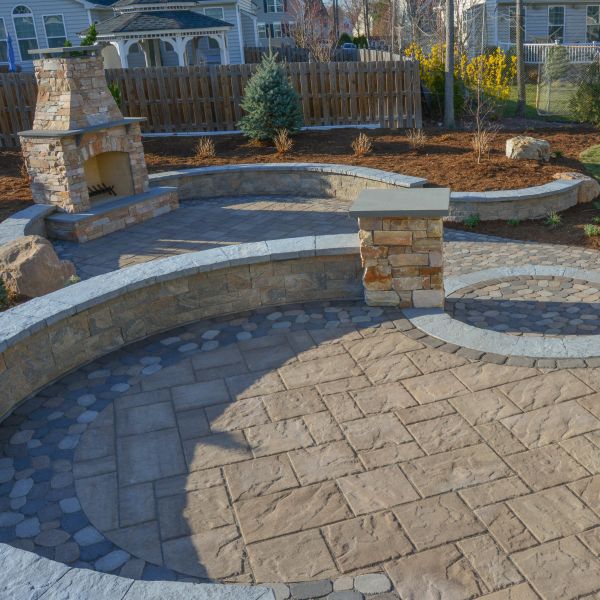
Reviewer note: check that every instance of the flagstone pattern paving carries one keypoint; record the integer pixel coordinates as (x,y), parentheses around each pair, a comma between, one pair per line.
(323,448)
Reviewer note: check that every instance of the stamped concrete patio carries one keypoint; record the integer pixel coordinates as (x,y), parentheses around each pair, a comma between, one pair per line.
(314,443)
(327,449)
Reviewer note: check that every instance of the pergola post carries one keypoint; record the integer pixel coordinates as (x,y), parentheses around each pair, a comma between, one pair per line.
(401,246)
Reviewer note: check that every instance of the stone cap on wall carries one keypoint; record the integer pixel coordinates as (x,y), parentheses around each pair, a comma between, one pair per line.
(417,203)
(25,319)
(405,181)
(27,576)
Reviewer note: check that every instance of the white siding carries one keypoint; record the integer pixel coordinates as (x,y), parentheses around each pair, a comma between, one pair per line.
(74,15)
(248,32)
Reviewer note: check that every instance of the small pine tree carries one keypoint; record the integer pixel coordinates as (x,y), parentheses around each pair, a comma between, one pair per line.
(90,36)
(270,102)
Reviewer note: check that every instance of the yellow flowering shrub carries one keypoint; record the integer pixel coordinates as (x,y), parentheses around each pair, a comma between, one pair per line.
(493,71)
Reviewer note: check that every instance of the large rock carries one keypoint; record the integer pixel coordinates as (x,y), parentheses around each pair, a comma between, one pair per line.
(30,267)
(524,147)
(589,188)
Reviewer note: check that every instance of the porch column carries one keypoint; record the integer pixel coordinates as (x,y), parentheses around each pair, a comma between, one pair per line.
(222,41)
(401,246)
(122,49)
(179,44)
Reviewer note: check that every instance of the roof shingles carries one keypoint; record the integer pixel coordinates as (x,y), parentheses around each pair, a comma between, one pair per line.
(135,22)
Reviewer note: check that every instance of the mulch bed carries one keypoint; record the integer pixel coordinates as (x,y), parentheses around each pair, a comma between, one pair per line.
(446,160)
(570,232)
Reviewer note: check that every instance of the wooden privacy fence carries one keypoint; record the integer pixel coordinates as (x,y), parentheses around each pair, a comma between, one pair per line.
(254,54)
(207,98)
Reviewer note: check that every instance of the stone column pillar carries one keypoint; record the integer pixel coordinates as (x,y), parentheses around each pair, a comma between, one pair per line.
(401,246)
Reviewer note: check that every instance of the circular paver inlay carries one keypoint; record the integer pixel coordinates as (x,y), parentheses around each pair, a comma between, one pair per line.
(529,305)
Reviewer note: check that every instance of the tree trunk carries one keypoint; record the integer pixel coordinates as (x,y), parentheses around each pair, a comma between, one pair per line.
(520,16)
(449,67)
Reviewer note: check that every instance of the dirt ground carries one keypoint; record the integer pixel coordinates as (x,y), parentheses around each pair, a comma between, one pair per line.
(446,160)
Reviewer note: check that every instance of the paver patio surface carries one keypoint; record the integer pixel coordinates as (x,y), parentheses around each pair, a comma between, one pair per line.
(203,224)
(313,442)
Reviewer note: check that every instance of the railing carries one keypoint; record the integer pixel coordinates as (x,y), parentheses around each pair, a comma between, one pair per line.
(536,54)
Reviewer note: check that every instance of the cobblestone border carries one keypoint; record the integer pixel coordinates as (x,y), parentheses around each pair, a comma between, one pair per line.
(440,325)
(27,576)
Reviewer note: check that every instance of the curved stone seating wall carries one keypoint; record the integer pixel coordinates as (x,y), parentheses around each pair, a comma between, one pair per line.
(47,337)
(281,179)
(526,203)
(345,181)
(29,221)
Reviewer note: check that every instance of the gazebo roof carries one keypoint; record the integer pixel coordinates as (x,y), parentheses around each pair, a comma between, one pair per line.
(172,20)
(142,3)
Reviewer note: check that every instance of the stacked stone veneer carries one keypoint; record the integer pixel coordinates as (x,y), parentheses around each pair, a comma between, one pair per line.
(402,260)
(55,165)
(47,337)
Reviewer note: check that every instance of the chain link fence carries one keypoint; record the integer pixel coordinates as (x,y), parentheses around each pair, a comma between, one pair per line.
(568,82)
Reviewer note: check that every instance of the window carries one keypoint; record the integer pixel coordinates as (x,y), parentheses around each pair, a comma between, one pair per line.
(274,6)
(215,13)
(556,23)
(25,29)
(55,31)
(593,23)
(3,43)
(272,30)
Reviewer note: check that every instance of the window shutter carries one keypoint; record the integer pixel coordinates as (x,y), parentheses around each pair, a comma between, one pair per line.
(265,5)
(285,5)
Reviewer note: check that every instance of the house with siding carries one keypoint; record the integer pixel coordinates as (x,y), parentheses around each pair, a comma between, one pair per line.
(493,22)
(137,32)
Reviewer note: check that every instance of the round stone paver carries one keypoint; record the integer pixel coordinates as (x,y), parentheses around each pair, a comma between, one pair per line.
(549,306)
(340,445)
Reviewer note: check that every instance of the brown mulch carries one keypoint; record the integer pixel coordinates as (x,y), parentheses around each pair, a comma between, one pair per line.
(569,232)
(447,160)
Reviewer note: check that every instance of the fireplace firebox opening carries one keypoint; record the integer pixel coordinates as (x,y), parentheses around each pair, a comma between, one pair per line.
(108,175)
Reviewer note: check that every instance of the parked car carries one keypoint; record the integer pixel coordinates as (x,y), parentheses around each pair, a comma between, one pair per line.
(349,46)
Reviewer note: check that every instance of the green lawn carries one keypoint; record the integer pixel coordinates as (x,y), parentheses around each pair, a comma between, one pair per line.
(591,159)
(558,103)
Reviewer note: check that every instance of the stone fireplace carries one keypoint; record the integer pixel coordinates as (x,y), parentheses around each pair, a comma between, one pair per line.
(82,155)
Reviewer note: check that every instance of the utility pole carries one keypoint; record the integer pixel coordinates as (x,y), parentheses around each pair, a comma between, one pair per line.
(449,67)
(520,16)
(367,26)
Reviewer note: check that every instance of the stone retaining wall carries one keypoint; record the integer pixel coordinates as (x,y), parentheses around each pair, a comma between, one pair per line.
(274,179)
(49,336)
(526,203)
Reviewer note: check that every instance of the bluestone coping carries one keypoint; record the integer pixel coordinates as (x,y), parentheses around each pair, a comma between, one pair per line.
(29,221)
(27,576)
(417,203)
(100,208)
(25,319)
(441,325)
(538,191)
(397,179)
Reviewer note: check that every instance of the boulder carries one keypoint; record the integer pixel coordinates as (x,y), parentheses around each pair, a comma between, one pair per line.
(589,188)
(30,267)
(524,147)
